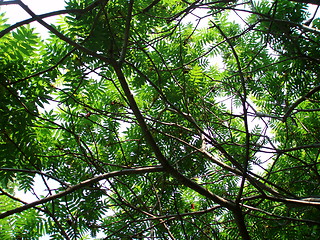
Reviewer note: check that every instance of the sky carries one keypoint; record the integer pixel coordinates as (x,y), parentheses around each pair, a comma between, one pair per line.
(15,13)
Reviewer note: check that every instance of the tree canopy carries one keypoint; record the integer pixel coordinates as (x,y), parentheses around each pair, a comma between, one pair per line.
(163,119)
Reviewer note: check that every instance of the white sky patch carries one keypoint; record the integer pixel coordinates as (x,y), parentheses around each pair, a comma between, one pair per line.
(15,13)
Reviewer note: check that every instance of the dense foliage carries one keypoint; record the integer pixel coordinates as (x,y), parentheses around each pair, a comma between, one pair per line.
(161,120)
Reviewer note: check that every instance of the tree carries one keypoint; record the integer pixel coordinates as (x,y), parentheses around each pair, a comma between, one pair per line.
(142,125)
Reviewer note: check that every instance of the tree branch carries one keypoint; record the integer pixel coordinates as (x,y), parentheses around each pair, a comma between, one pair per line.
(59,12)
(126,33)
(161,158)
(300,100)
(302,201)
(27,21)
(63,37)
(8,2)
(85,183)
(281,217)
(315,145)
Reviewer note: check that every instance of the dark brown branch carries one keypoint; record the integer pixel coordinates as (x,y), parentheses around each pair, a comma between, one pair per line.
(253,180)
(59,12)
(306,110)
(126,32)
(83,184)
(237,213)
(8,2)
(239,219)
(174,216)
(27,21)
(301,202)
(300,100)
(161,158)
(315,145)
(303,27)
(63,37)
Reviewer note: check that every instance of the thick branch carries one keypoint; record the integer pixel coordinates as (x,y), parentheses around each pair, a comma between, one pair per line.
(30,20)
(8,2)
(85,183)
(239,219)
(161,158)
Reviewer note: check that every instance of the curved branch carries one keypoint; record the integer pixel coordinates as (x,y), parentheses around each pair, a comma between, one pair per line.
(30,20)
(85,183)
(161,158)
